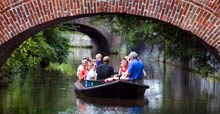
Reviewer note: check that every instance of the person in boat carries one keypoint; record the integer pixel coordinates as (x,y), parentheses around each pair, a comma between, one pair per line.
(121,73)
(144,71)
(82,69)
(123,68)
(92,75)
(135,67)
(105,70)
(98,58)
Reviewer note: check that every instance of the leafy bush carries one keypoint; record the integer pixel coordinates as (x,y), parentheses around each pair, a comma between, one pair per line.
(39,50)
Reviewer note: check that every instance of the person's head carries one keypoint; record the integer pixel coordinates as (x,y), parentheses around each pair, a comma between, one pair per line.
(133,55)
(98,57)
(106,59)
(89,61)
(127,58)
(124,62)
(84,62)
(91,65)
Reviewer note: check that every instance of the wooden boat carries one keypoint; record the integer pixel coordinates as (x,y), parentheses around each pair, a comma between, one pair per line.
(116,89)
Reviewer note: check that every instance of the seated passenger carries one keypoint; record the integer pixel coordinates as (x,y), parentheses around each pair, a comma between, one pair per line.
(124,68)
(135,67)
(98,59)
(82,69)
(92,75)
(105,70)
(121,73)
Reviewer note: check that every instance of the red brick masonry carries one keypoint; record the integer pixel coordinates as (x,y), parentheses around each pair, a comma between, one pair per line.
(200,17)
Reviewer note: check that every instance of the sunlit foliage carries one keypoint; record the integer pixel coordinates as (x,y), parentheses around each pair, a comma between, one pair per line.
(48,46)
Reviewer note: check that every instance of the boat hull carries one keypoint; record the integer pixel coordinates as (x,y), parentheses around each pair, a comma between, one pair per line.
(117,89)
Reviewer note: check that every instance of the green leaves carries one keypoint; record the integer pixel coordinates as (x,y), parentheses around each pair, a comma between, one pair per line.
(59,43)
(39,50)
(175,42)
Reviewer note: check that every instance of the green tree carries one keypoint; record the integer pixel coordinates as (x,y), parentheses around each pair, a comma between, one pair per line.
(59,43)
(39,50)
(175,42)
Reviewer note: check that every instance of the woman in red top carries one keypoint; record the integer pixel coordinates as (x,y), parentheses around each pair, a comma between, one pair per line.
(124,67)
(82,70)
(122,71)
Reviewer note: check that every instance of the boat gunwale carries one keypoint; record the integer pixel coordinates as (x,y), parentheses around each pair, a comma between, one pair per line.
(81,87)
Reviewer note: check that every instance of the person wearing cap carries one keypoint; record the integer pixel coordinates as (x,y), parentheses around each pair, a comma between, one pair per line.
(135,67)
(105,70)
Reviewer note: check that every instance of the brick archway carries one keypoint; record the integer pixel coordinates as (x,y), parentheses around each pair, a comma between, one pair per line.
(21,18)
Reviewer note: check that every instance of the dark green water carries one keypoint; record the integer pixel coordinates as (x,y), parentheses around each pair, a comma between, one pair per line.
(173,90)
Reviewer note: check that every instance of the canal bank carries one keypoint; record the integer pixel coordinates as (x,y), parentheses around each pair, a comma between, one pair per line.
(155,54)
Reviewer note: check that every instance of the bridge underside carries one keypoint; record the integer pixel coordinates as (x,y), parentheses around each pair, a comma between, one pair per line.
(101,43)
(8,47)
(20,19)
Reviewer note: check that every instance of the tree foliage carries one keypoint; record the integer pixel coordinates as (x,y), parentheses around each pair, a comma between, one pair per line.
(59,44)
(173,41)
(39,50)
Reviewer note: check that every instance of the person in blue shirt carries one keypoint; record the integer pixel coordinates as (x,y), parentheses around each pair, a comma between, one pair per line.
(98,58)
(135,67)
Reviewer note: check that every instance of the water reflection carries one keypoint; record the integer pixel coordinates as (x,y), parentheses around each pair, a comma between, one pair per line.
(176,90)
(37,93)
(110,107)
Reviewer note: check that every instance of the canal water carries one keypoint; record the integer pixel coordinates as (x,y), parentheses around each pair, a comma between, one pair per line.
(173,90)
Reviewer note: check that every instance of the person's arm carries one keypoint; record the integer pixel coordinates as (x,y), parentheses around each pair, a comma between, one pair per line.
(81,75)
(144,73)
(119,72)
(112,72)
(128,73)
(78,72)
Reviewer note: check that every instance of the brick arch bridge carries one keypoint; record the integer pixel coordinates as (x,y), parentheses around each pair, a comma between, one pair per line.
(99,42)
(20,19)
(104,40)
